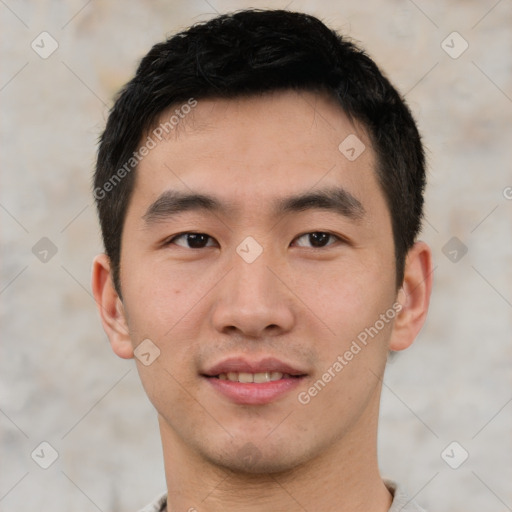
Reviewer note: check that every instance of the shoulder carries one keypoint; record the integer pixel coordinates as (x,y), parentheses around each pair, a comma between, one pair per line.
(157,505)
(401,501)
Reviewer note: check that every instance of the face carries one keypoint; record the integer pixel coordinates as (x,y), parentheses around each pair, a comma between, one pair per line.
(254,250)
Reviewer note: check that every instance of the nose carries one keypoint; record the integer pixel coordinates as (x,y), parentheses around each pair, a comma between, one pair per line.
(254,300)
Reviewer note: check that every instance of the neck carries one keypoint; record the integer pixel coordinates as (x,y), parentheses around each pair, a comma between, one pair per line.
(344,478)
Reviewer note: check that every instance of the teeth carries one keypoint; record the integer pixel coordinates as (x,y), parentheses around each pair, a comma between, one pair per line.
(252,377)
(243,377)
(262,377)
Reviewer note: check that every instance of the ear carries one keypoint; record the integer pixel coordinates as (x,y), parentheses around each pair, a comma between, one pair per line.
(413,296)
(110,307)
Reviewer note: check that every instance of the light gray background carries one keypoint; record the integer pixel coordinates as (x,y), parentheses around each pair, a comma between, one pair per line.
(60,382)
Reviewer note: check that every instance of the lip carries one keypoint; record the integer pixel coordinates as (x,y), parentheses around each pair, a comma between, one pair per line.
(254,393)
(242,393)
(240,364)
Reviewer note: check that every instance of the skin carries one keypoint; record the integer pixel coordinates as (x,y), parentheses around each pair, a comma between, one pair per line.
(296,302)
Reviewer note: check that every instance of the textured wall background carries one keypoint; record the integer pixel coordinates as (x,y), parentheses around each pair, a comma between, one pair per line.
(60,382)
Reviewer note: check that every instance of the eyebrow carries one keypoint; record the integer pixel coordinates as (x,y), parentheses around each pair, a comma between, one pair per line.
(335,199)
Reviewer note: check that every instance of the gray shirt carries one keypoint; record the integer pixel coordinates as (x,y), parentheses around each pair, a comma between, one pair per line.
(401,502)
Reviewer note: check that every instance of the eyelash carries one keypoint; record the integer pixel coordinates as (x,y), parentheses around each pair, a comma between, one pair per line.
(331,235)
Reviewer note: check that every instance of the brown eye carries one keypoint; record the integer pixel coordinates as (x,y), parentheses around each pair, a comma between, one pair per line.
(192,240)
(316,239)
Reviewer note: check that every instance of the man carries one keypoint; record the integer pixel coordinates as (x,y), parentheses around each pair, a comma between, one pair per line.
(260,190)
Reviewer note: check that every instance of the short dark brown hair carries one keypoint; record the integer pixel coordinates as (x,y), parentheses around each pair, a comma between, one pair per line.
(252,52)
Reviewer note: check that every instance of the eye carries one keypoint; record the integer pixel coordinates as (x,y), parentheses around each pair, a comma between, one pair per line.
(317,239)
(192,240)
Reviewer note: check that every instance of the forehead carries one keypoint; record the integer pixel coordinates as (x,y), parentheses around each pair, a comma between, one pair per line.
(255,148)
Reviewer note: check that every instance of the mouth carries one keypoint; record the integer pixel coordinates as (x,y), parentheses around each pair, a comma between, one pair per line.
(246,382)
(257,378)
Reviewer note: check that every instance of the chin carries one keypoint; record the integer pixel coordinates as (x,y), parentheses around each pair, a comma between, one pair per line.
(249,459)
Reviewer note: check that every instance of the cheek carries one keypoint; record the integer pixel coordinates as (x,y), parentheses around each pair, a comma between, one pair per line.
(161,298)
(166,307)
(346,305)
(346,293)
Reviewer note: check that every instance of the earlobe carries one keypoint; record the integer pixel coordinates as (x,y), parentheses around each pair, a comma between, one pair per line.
(110,307)
(414,296)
